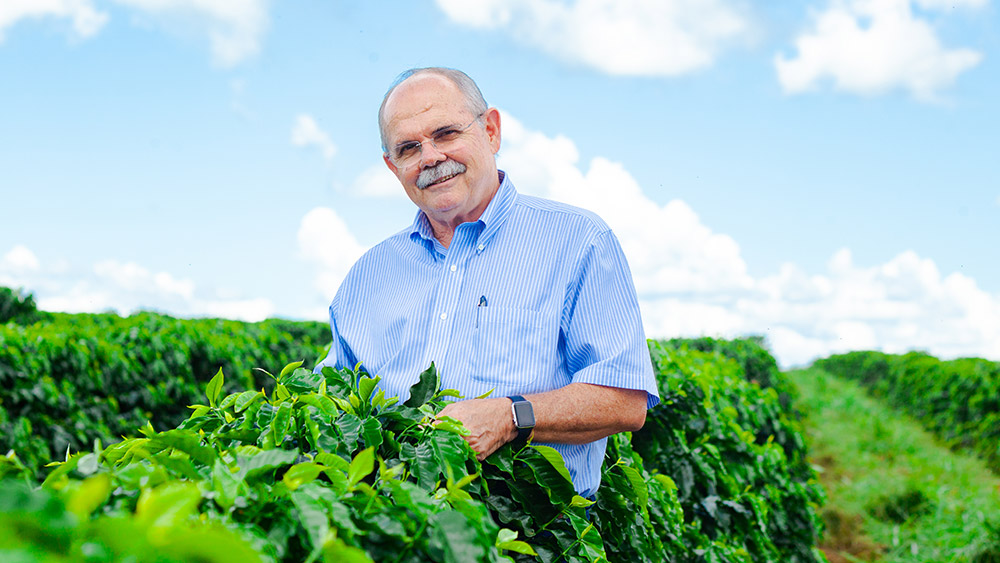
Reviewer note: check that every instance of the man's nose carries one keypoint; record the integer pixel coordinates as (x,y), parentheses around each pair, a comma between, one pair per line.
(430,155)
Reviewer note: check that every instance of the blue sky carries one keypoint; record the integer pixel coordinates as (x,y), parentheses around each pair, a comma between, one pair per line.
(821,172)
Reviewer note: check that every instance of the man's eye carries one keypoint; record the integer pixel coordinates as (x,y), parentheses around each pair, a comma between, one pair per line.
(447,135)
(407,149)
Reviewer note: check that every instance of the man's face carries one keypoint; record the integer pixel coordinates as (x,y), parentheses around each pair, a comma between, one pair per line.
(453,182)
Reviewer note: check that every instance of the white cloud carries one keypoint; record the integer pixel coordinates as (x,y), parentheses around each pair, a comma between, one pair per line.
(622,37)
(900,305)
(250,310)
(951,4)
(125,287)
(378,182)
(234,27)
(306,132)
(670,251)
(134,278)
(326,241)
(86,19)
(693,281)
(870,47)
(19,260)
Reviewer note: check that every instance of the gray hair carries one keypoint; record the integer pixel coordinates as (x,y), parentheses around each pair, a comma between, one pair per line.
(473,97)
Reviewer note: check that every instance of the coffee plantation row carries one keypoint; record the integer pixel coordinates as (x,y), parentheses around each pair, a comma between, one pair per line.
(302,466)
(72,378)
(957,400)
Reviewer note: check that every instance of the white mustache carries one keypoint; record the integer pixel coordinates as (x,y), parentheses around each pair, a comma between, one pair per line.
(447,168)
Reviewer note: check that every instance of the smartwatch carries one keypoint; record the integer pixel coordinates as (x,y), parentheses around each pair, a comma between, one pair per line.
(524,418)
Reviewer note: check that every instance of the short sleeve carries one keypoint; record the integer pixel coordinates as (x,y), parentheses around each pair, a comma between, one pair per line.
(605,343)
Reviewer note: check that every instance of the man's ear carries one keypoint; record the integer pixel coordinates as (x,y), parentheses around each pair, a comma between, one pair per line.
(392,167)
(492,125)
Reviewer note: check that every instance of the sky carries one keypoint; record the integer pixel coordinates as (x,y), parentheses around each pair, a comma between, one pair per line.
(815,172)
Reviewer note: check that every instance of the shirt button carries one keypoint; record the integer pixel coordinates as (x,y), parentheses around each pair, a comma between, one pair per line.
(481,247)
(453,267)
(444,316)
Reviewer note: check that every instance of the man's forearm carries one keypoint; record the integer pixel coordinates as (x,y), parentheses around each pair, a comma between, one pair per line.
(575,414)
(580,412)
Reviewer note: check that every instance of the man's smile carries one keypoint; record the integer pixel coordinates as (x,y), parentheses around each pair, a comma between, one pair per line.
(442,180)
(440,173)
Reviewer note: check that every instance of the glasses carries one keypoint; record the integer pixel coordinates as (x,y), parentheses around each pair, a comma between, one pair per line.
(443,139)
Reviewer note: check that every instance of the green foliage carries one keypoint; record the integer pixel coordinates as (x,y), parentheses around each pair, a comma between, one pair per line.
(759,366)
(866,449)
(900,507)
(301,466)
(312,472)
(18,307)
(957,400)
(79,378)
(988,550)
(737,458)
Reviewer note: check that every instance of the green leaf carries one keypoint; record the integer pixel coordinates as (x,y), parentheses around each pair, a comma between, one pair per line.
(540,470)
(340,552)
(288,369)
(312,517)
(303,381)
(666,481)
(267,460)
(451,532)
(516,546)
(168,505)
(555,458)
(302,473)
(425,387)
(225,484)
(228,401)
(207,544)
(350,426)
(638,485)
(215,388)
(591,545)
(91,493)
(365,387)
(187,442)
(246,398)
(580,502)
(371,431)
(280,423)
(448,424)
(461,483)
(361,466)
(332,461)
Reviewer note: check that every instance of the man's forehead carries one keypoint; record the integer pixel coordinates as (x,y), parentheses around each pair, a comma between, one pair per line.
(424,98)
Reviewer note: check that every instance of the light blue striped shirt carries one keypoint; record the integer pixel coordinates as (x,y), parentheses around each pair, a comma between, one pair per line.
(531,297)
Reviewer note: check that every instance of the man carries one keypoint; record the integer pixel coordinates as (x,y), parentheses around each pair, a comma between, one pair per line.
(525,300)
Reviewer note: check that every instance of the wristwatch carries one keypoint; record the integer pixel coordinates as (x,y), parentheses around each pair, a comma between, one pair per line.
(524,418)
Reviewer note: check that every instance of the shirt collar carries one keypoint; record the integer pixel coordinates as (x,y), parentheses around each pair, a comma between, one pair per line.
(491,220)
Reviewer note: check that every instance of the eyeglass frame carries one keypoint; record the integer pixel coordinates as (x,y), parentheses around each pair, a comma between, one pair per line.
(419,145)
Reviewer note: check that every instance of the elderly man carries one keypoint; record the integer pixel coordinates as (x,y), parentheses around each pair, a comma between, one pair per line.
(525,301)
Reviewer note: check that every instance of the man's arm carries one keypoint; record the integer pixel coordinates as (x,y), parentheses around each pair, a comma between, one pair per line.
(575,414)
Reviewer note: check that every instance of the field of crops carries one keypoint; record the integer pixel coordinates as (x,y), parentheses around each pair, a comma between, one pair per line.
(957,400)
(294,465)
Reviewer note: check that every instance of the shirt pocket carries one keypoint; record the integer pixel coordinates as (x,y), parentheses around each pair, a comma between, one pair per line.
(514,350)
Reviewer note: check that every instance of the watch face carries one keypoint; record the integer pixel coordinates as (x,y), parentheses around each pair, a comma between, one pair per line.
(524,414)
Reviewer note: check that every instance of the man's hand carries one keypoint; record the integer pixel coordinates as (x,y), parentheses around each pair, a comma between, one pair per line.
(489,421)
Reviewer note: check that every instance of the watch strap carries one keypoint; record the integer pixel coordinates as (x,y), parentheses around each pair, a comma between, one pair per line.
(523,432)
